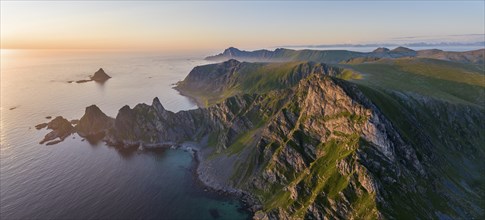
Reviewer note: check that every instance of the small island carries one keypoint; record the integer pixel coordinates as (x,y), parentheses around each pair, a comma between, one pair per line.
(99,76)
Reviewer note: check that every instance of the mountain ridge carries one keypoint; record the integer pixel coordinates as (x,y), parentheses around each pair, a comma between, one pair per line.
(304,139)
(337,56)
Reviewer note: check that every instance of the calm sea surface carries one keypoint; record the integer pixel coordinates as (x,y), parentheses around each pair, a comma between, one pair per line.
(77,180)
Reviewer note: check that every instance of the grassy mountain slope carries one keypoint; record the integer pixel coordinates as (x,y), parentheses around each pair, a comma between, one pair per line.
(213,83)
(438,107)
(435,106)
(452,82)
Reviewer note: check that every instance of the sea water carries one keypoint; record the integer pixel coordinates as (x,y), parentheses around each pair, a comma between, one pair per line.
(79,180)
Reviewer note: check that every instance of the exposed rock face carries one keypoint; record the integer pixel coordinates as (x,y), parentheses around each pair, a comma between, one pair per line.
(313,147)
(211,84)
(152,125)
(61,128)
(287,148)
(319,148)
(100,76)
(94,123)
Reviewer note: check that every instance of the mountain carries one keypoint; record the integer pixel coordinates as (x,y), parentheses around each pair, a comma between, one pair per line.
(381,50)
(281,55)
(402,50)
(389,138)
(213,83)
(433,109)
(337,56)
(474,56)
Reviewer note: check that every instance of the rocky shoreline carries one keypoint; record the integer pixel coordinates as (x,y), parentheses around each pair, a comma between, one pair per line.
(247,200)
(195,99)
(201,176)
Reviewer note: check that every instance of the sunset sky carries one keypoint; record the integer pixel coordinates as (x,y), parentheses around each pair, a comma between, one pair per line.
(202,25)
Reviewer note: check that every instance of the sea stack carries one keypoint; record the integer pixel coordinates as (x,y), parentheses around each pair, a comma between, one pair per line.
(100,76)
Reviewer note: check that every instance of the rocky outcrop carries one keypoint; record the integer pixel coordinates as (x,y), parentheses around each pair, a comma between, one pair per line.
(317,147)
(100,76)
(313,147)
(61,128)
(211,84)
(94,123)
(152,125)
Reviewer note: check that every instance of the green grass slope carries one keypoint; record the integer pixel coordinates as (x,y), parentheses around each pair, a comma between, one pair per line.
(211,84)
(439,108)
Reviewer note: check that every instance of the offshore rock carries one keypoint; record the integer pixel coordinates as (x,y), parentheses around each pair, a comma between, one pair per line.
(61,128)
(100,76)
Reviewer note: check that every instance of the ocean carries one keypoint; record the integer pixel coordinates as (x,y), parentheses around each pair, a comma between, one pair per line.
(76,179)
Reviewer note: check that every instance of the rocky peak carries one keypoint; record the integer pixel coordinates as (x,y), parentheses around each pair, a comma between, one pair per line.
(100,76)
(231,52)
(124,118)
(158,105)
(381,50)
(93,122)
(403,50)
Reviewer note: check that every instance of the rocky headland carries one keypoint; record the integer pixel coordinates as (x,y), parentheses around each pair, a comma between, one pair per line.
(298,142)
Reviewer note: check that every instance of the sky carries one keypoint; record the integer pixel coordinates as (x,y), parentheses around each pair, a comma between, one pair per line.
(201,25)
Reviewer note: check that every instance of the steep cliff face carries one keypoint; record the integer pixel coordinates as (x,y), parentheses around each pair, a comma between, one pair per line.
(152,125)
(316,155)
(94,122)
(304,144)
(448,139)
(211,84)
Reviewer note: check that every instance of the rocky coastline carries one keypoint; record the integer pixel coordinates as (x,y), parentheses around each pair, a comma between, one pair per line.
(96,126)
(249,204)
(317,147)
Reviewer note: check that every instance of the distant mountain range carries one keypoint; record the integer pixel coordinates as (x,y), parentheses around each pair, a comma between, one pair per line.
(337,56)
(416,44)
(389,134)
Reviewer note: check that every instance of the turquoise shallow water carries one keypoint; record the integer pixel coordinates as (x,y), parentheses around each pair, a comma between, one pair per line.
(79,180)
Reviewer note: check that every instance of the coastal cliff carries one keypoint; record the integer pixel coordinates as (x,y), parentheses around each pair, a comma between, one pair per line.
(298,142)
